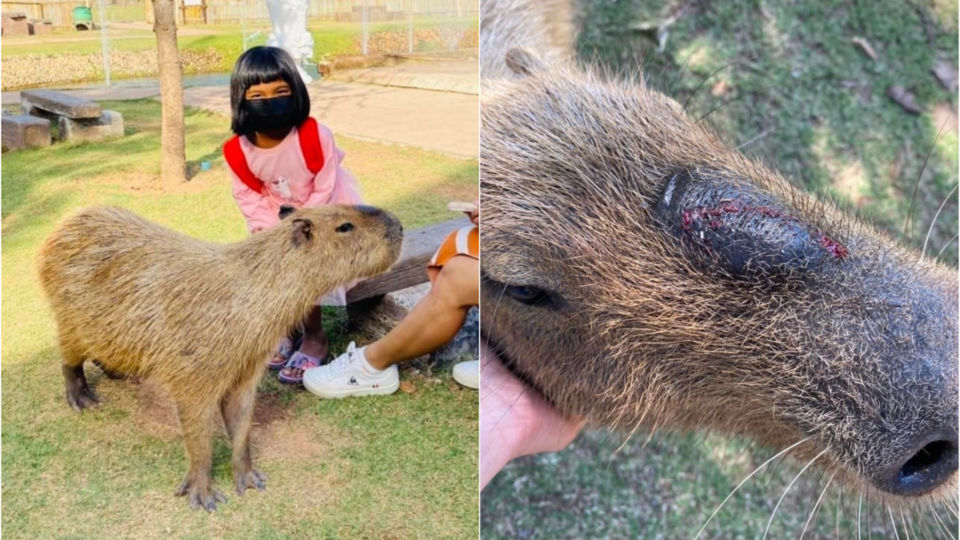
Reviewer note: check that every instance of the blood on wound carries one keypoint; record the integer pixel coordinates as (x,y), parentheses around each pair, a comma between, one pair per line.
(715,215)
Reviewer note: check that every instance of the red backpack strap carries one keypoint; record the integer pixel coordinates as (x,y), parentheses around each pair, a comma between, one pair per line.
(238,163)
(310,144)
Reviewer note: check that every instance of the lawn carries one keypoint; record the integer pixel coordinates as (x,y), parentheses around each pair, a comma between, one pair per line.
(397,466)
(39,60)
(783,81)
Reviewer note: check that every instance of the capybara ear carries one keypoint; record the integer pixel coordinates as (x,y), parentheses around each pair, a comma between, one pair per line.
(302,231)
(523,62)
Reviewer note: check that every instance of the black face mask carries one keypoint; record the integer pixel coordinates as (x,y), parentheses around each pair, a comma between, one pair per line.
(270,114)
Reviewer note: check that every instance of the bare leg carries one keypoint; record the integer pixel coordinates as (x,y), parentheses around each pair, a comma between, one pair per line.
(79,395)
(435,320)
(315,341)
(237,409)
(196,423)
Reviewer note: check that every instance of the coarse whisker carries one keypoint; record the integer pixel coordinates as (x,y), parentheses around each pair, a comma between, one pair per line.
(916,185)
(945,246)
(816,505)
(940,523)
(906,530)
(704,81)
(837,524)
(893,522)
(742,482)
(933,222)
(859,510)
(782,496)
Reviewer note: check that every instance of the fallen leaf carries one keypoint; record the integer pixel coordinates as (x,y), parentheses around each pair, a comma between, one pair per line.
(946,73)
(719,88)
(944,115)
(407,387)
(865,47)
(904,98)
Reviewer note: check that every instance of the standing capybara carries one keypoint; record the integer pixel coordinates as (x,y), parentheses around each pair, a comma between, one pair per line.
(197,317)
(642,273)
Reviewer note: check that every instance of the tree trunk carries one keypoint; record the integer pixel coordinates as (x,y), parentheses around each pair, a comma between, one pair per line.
(173,166)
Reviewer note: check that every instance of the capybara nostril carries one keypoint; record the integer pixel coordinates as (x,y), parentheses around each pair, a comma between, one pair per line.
(922,470)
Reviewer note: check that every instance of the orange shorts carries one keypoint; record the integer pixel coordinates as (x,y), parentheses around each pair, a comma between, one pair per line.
(464,241)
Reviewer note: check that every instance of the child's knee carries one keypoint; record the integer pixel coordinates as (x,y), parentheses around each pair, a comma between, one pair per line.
(458,281)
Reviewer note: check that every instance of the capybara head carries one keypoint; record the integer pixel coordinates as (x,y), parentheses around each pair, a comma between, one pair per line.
(640,272)
(350,242)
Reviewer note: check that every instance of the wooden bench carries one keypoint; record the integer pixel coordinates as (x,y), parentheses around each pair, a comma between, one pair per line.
(78,119)
(371,311)
(410,269)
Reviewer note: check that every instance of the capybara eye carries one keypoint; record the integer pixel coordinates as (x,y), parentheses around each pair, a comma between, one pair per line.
(346,227)
(525,294)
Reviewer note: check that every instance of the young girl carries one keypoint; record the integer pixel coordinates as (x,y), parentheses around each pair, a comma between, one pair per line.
(282,159)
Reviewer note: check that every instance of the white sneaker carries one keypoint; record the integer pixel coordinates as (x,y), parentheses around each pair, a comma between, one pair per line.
(467,374)
(350,375)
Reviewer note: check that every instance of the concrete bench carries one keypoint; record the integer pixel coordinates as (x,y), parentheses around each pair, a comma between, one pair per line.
(78,119)
(23,131)
(373,310)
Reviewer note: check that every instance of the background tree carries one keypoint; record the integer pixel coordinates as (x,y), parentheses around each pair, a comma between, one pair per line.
(173,161)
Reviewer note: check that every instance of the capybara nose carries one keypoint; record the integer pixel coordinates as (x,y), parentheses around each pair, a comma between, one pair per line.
(369,210)
(927,465)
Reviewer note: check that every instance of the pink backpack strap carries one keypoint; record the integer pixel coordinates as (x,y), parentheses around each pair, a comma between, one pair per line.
(310,145)
(238,163)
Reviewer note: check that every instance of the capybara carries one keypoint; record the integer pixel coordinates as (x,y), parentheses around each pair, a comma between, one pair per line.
(199,318)
(642,273)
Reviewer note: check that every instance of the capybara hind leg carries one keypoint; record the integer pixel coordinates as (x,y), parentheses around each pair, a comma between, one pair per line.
(109,372)
(79,395)
(237,408)
(197,432)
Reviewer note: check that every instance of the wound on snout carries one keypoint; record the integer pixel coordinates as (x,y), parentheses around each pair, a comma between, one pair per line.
(730,223)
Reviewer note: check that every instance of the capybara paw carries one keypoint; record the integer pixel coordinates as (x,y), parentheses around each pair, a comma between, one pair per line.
(251,478)
(200,497)
(82,398)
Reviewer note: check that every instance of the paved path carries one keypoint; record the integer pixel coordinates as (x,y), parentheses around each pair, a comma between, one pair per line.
(445,121)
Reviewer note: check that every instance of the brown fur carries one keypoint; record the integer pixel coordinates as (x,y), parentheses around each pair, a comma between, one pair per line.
(641,324)
(199,318)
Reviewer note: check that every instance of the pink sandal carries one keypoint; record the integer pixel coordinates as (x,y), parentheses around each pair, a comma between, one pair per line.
(299,361)
(281,354)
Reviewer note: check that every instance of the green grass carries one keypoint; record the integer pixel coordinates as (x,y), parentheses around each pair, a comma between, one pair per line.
(783,79)
(351,468)
(331,39)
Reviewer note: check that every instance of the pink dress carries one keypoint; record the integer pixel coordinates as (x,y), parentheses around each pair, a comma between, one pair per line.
(287,181)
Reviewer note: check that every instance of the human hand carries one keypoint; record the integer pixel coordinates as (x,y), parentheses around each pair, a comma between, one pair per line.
(515,420)
(475,214)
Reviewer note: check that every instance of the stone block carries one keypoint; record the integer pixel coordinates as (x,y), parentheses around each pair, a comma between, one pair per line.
(110,124)
(23,131)
(62,104)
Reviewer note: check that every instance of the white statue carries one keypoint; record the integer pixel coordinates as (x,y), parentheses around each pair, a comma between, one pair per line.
(289,20)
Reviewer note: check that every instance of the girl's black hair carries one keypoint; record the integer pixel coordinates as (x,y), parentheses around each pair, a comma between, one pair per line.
(262,65)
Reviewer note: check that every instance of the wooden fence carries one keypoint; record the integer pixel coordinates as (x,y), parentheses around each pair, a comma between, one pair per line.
(60,13)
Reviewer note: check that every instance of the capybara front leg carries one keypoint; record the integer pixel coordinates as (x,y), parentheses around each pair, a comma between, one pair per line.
(196,423)
(237,408)
(79,395)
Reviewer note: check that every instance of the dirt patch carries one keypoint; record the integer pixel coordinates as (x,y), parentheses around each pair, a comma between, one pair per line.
(297,439)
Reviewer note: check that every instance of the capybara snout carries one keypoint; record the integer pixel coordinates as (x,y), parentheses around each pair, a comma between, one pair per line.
(639,271)
(197,317)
